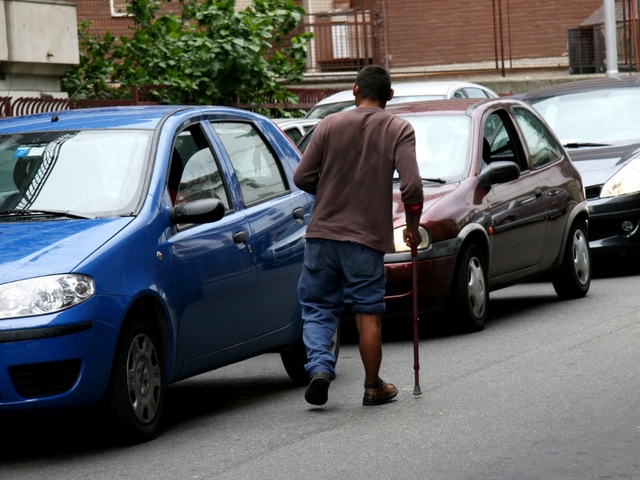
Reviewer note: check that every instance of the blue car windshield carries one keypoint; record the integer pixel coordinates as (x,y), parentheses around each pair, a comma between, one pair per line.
(600,116)
(442,145)
(96,173)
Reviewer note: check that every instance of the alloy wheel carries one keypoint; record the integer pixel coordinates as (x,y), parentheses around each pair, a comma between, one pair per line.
(581,256)
(476,287)
(144,378)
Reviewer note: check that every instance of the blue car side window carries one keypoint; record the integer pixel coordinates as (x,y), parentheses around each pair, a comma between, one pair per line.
(256,167)
(200,176)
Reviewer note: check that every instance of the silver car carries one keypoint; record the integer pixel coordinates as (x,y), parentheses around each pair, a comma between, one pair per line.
(405,93)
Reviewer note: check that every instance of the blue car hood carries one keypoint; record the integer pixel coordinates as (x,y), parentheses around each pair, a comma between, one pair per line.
(597,165)
(33,249)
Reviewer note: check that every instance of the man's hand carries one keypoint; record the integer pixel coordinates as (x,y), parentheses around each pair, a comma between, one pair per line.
(408,237)
(413,213)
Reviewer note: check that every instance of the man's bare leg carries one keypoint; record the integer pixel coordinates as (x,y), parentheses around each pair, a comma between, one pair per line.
(369,327)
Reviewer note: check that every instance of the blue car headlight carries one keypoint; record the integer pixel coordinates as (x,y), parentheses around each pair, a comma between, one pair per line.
(624,181)
(37,296)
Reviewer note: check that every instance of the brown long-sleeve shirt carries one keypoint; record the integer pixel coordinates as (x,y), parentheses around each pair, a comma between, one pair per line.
(349,166)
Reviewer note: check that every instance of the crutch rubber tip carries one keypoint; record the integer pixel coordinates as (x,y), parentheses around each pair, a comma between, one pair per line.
(416,390)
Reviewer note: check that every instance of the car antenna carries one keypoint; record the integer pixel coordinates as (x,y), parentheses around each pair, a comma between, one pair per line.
(9,91)
(57,114)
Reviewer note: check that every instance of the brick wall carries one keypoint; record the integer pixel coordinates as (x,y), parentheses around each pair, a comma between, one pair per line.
(440,32)
(99,12)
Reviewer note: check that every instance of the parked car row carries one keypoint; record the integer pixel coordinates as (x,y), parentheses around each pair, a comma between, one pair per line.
(144,245)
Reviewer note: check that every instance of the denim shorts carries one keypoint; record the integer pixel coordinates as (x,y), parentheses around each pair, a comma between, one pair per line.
(334,275)
(338,274)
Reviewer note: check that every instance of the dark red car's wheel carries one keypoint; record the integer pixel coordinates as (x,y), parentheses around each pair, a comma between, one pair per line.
(469,297)
(573,278)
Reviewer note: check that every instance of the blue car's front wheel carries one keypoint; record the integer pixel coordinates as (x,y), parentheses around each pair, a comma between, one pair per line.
(136,392)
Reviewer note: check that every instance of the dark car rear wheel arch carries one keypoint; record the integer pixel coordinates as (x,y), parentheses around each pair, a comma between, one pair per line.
(143,340)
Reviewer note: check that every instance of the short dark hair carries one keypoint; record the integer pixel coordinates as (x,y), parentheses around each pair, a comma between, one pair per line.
(374,83)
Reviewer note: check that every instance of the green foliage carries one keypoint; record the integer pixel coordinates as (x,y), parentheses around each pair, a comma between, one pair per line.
(210,54)
(95,65)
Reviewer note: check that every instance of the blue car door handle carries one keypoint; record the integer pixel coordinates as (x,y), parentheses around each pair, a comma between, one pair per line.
(241,238)
(298,214)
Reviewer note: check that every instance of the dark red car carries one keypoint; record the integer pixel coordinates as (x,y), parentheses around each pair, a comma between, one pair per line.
(503,204)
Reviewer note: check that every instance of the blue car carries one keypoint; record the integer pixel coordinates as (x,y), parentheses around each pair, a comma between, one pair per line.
(140,246)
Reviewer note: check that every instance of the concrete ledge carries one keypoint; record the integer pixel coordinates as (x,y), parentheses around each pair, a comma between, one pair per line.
(511,83)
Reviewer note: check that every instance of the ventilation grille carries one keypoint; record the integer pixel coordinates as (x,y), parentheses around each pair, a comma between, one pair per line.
(592,191)
(45,379)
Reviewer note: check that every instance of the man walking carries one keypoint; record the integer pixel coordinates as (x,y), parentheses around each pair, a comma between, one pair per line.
(349,166)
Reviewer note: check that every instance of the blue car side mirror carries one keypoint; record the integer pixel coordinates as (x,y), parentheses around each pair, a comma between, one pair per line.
(206,210)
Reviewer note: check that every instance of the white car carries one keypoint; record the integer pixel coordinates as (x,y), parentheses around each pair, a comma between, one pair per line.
(405,93)
(295,128)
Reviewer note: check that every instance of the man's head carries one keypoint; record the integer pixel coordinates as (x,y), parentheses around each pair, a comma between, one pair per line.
(373,85)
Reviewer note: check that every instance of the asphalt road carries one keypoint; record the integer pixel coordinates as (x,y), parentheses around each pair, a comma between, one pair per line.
(548,391)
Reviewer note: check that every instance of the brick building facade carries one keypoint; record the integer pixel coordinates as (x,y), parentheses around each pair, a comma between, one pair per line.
(442,35)
(462,32)
(416,36)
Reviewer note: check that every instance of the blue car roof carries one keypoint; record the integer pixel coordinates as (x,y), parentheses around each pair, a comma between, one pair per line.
(141,117)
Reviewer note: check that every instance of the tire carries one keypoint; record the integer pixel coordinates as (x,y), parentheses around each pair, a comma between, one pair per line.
(573,278)
(294,358)
(136,391)
(469,297)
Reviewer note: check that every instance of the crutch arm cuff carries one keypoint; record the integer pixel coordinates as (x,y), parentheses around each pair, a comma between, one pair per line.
(414,209)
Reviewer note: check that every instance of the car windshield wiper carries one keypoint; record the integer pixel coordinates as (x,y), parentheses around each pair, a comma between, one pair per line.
(432,180)
(55,213)
(584,145)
